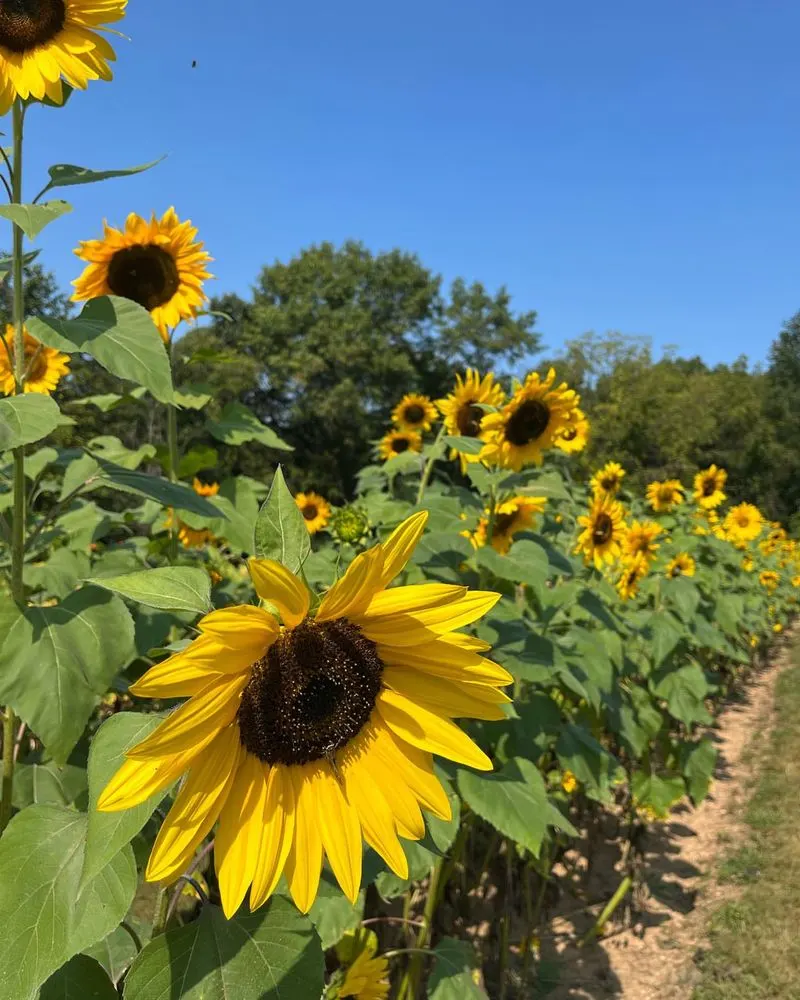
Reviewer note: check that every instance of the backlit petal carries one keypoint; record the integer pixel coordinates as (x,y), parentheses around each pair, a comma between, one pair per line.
(399,546)
(423,626)
(350,596)
(304,861)
(445,697)
(278,585)
(341,831)
(246,628)
(240,832)
(276,835)
(412,599)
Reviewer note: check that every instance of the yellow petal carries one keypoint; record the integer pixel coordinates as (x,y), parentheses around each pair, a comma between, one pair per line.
(412,599)
(196,807)
(399,546)
(350,596)
(444,660)
(401,798)
(375,814)
(340,830)
(245,627)
(276,835)
(188,672)
(445,697)
(304,861)
(423,626)
(211,710)
(413,769)
(240,832)
(278,585)
(428,731)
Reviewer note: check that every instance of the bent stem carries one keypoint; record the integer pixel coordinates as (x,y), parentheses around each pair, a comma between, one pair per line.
(18,518)
(426,473)
(608,911)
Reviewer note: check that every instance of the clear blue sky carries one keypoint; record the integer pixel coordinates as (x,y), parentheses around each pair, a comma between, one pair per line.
(625,165)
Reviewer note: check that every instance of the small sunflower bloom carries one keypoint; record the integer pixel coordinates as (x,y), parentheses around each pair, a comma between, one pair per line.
(748,564)
(463,410)
(604,531)
(315,509)
(777,627)
(743,523)
(44,366)
(665,496)
(575,437)
(367,978)
(640,540)
(397,442)
(633,571)
(769,580)
(709,486)
(303,736)
(682,565)
(414,413)
(608,480)
(195,538)
(510,517)
(569,782)
(159,264)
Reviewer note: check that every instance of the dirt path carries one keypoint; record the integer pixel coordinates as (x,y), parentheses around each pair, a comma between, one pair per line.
(653,959)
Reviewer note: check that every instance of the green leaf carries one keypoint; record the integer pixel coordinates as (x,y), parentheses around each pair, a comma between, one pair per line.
(27,418)
(273,954)
(68,175)
(698,762)
(48,784)
(36,463)
(597,608)
(332,913)
(109,832)
(513,801)
(664,632)
(525,563)
(684,691)
(658,793)
(467,445)
(238,425)
(684,594)
(59,575)
(280,531)
(578,751)
(201,457)
(156,488)
(170,588)
(115,952)
(32,219)
(451,975)
(192,397)
(82,978)
(55,662)
(120,335)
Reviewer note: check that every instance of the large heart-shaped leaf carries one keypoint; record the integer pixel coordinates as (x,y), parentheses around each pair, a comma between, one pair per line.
(27,418)
(32,219)
(238,425)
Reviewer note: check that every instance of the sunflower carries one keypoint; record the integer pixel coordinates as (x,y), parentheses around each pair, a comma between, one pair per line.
(666,496)
(569,782)
(769,580)
(777,627)
(796,581)
(575,436)
(463,411)
(640,540)
(682,565)
(608,480)
(531,423)
(394,443)
(510,517)
(748,564)
(195,538)
(708,487)
(160,264)
(44,41)
(708,522)
(315,509)
(303,736)
(44,366)
(604,531)
(367,978)
(743,523)
(632,573)
(414,413)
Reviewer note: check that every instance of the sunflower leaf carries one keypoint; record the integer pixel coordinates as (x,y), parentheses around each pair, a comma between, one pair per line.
(281,531)
(451,977)
(155,488)
(68,175)
(81,978)
(27,418)
(120,335)
(32,219)
(169,588)
(238,425)
(467,445)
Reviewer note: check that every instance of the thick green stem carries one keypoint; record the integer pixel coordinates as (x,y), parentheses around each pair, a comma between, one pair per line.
(172,444)
(608,911)
(19,514)
(426,473)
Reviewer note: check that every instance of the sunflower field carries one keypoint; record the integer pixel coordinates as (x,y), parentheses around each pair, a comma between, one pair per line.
(257,745)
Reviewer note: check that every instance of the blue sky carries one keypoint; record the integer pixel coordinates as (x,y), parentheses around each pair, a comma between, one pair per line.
(630,166)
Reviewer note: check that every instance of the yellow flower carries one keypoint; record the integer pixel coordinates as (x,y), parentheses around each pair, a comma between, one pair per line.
(569,782)
(665,496)
(575,436)
(463,411)
(530,424)
(777,627)
(748,564)
(414,413)
(640,540)
(367,978)
(682,565)
(743,523)
(708,487)
(305,735)
(632,573)
(44,366)
(44,41)
(753,641)
(604,531)
(395,443)
(195,538)
(608,480)
(160,264)
(315,510)
(796,581)
(769,580)
(510,517)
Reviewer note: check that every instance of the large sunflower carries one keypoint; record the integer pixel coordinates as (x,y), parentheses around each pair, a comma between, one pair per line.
(666,496)
(303,736)
(414,413)
(160,264)
(604,531)
(708,487)
(682,565)
(640,540)
(43,41)
(608,480)
(575,435)
(463,411)
(743,523)
(530,423)
(315,509)
(510,517)
(44,366)
(394,443)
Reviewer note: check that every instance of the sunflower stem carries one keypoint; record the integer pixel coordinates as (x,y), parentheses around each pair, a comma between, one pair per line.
(172,441)
(160,911)
(426,473)
(18,518)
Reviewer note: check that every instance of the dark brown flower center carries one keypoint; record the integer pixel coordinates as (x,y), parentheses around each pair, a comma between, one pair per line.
(570,433)
(27,24)
(676,570)
(146,274)
(528,422)
(709,486)
(609,483)
(414,414)
(311,694)
(603,529)
(503,523)
(399,445)
(310,511)
(468,419)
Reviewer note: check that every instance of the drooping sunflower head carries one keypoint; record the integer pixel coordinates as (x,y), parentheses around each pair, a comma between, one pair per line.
(464,409)
(395,443)
(633,571)
(315,509)
(530,423)
(44,366)
(604,531)
(640,540)
(769,580)
(575,435)
(682,565)
(43,42)
(305,732)
(743,523)
(510,517)
(665,496)
(709,486)
(414,413)
(159,264)
(608,480)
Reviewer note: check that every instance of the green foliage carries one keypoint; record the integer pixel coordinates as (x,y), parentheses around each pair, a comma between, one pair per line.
(171,588)
(280,531)
(26,419)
